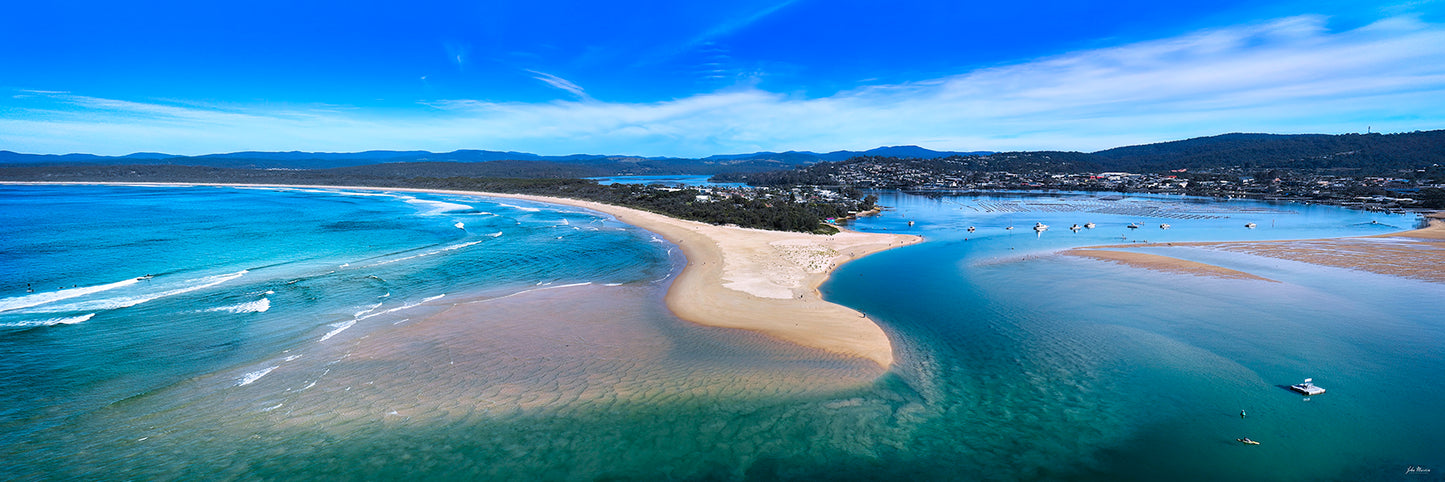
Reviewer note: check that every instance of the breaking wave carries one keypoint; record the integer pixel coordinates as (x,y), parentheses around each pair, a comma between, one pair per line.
(49,322)
(38,299)
(258,306)
(253,376)
(129,301)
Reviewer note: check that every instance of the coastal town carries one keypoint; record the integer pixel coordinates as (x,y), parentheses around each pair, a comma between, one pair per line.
(1419,190)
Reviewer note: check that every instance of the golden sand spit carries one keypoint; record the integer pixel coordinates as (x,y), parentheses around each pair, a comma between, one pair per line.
(763,281)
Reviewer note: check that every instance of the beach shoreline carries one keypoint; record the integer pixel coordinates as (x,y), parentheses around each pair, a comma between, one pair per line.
(761,281)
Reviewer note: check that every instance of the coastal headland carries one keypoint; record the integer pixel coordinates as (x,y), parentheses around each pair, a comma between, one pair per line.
(750,279)
(1416,254)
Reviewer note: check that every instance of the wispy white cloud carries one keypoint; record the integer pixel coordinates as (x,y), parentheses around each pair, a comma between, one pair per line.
(1290,75)
(718,31)
(561,83)
(733,25)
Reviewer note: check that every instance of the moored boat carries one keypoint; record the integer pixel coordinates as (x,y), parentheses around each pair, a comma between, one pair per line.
(1307,388)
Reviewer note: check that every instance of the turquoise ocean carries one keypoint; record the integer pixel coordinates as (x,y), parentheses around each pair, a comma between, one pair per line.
(296,333)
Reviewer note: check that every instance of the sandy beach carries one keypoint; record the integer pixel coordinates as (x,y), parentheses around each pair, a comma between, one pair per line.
(762,281)
(750,279)
(1416,254)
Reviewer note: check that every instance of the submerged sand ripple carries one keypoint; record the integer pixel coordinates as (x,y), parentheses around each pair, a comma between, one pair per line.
(544,352)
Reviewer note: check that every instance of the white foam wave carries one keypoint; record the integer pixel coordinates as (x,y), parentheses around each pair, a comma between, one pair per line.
(612,284)
(585,283)
(129,301)
(369,309)
(338,328)
(38,299)
(365,194)
(497,234)
(399,308)
(437,207)
(248,378)
(521,208)
(258,306)
(49,322)
(429,253)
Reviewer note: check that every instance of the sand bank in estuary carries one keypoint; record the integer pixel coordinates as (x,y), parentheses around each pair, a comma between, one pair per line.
(1162,263)
(1416,254)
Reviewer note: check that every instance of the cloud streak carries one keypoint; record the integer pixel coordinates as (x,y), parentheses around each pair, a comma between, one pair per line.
(1289,75)
(561,83)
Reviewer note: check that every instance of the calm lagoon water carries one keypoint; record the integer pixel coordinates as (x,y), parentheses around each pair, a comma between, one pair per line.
(300,333)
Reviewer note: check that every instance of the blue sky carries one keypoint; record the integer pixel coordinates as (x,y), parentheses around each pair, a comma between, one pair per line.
(701,78)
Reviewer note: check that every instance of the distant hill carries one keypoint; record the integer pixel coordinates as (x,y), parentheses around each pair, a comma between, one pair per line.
(1304,151)
(808,157)
(1362,153)
(591,165)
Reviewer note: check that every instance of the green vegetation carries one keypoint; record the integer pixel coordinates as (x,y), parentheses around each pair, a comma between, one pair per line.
(765,210)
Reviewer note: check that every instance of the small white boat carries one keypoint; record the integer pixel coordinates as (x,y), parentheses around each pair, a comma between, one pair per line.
(1307,388)
(1132,226)
(1074,228)
(1088,225)
(1164,226)
(910,223)
(970,229)
(1250,225)
(1041,227)
(1010,228)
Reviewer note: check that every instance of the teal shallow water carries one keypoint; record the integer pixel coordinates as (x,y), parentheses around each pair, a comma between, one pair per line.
(562,364)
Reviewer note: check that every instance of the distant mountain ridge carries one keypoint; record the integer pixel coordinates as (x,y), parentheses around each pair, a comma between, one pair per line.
(1376,152)
(1298,151)
(328,160)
